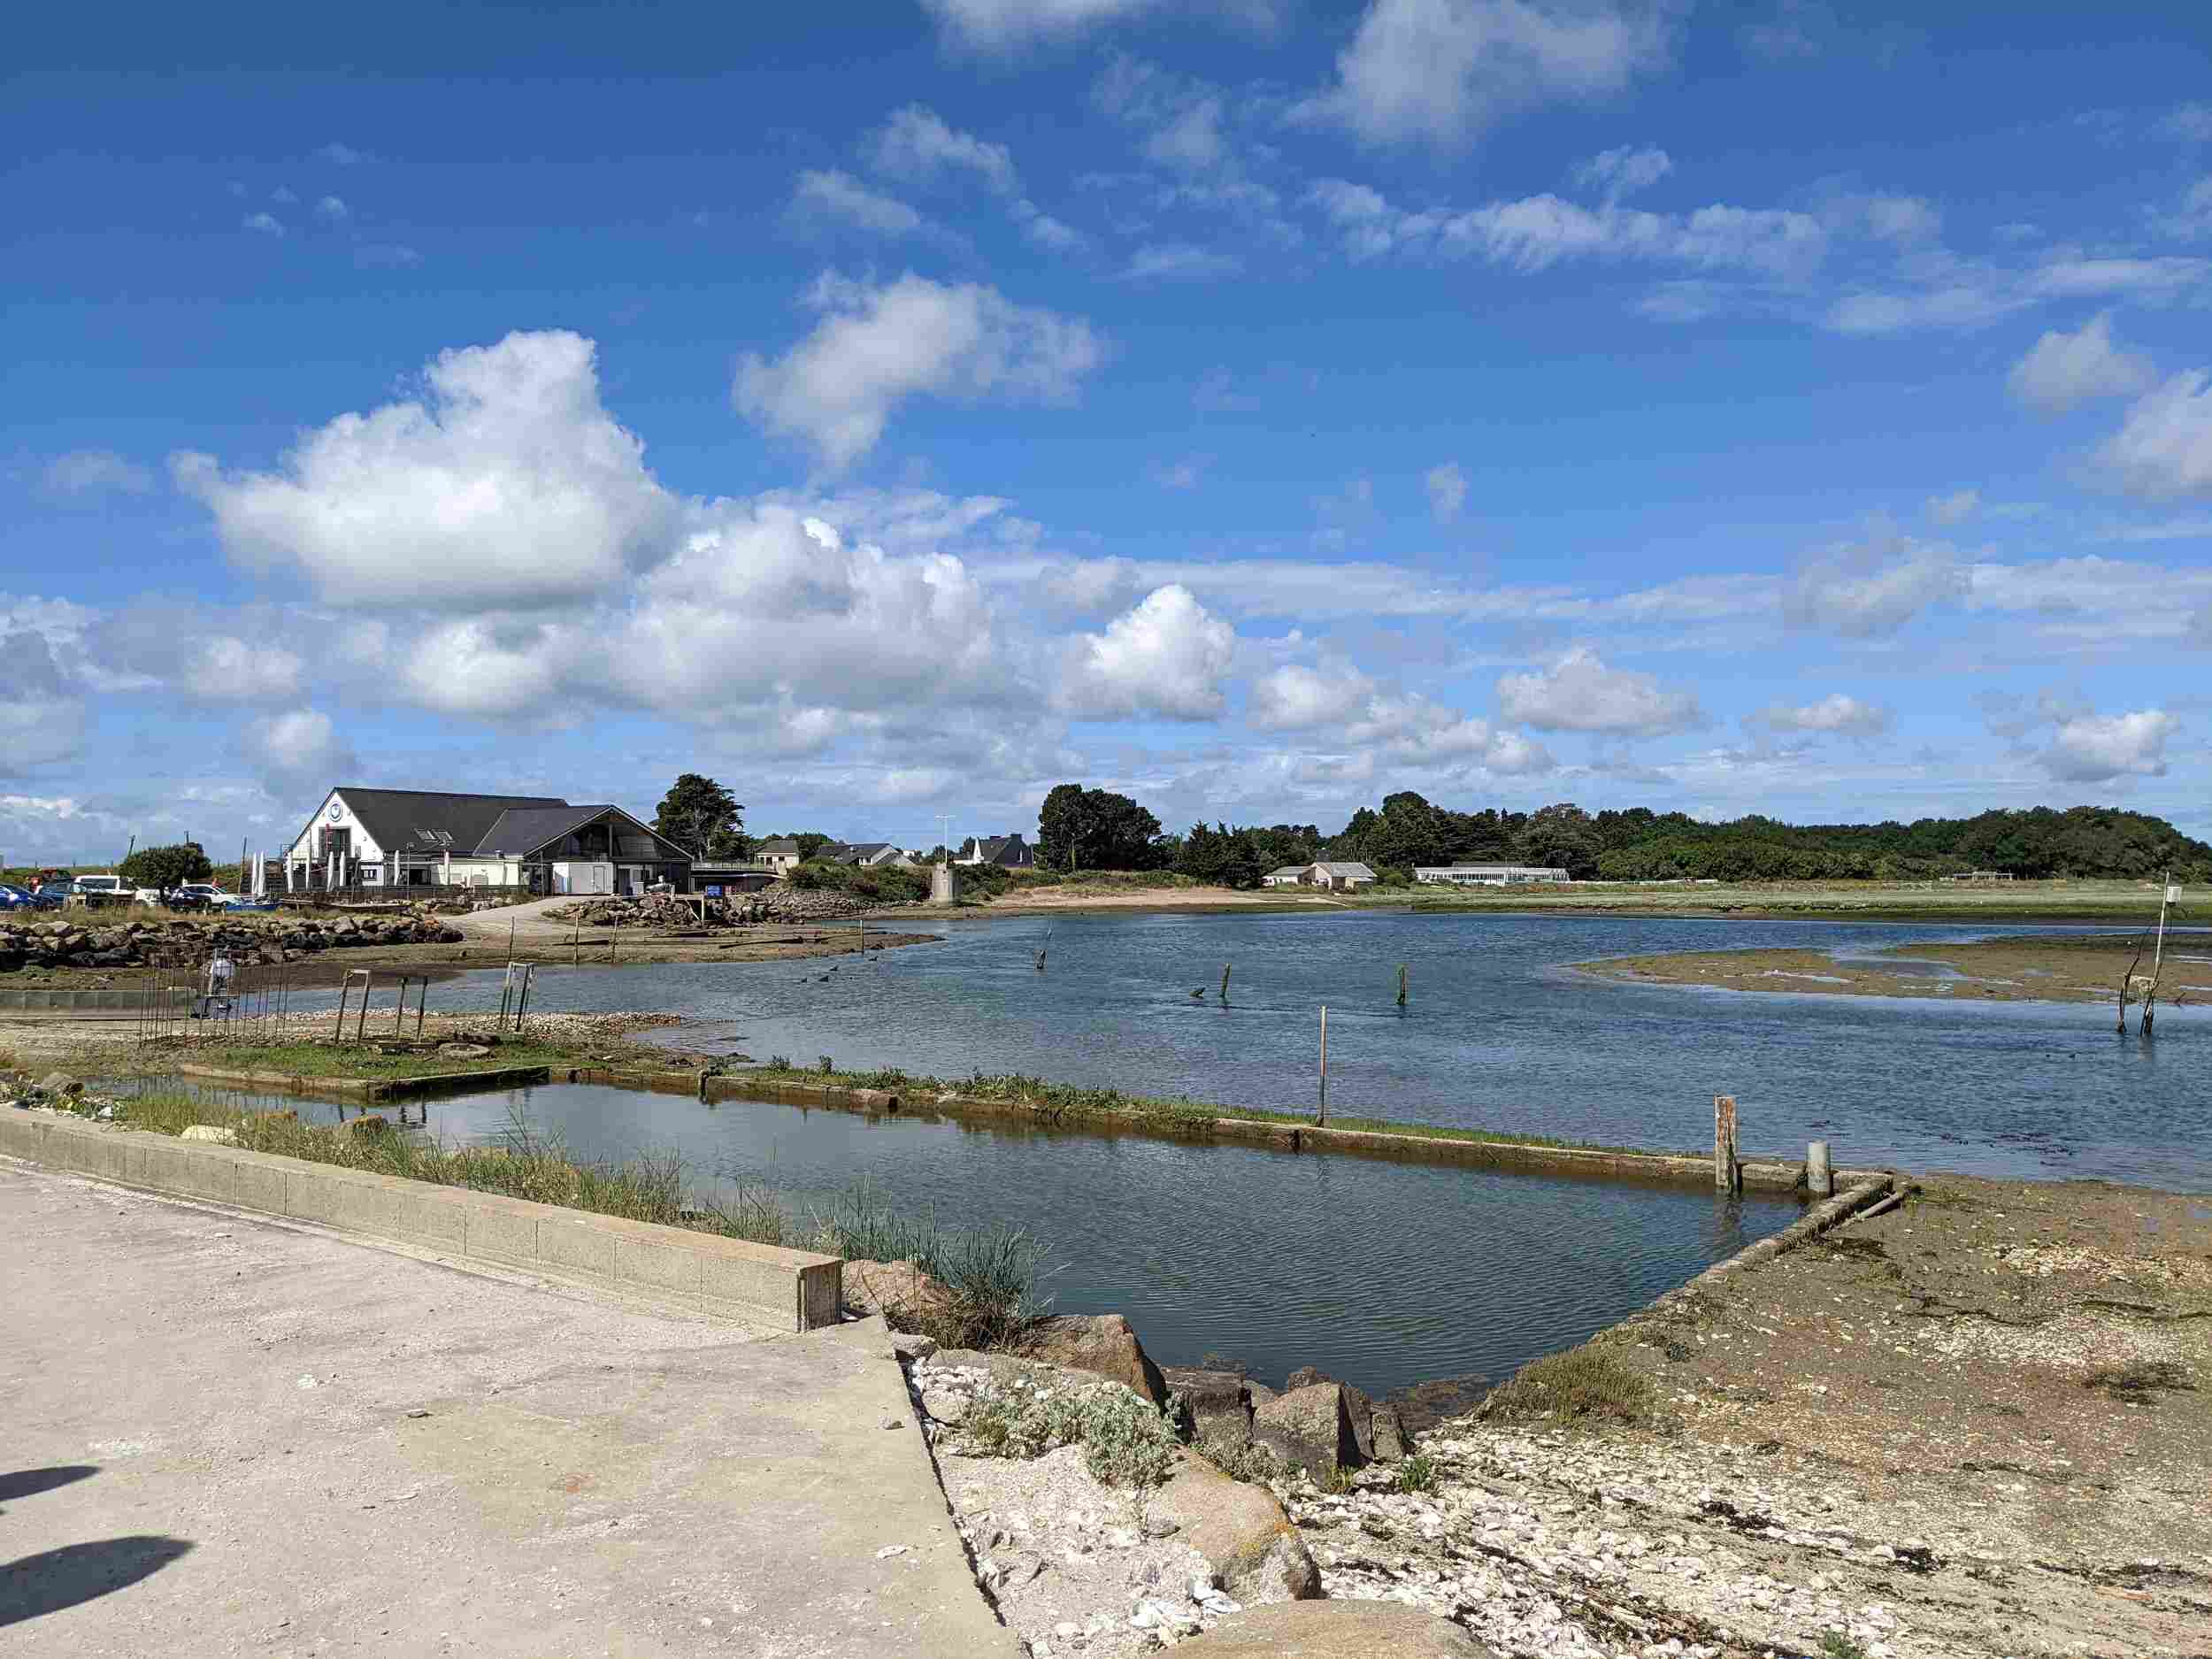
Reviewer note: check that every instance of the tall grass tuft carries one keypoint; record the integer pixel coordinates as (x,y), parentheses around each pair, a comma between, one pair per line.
(989,1275)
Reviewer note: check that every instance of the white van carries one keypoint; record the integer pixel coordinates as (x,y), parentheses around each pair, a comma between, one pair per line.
(105,890)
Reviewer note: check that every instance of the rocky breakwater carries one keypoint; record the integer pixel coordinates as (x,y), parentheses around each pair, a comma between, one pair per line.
(654,910)
(187,943)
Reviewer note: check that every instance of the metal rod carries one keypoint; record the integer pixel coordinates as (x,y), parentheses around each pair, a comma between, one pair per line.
(1324,1065)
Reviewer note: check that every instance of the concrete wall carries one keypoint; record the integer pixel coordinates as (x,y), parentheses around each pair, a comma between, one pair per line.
(790,1290)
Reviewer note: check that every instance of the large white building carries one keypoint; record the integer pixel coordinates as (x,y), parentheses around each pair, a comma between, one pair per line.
(413,837)
(1489,875)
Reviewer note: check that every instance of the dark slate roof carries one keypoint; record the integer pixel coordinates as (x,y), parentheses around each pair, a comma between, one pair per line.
(522,830)
(866,849)
(417,821)
(782,847)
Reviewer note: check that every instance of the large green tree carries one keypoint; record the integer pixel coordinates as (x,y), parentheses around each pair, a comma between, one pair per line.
(702,818)
(1096,829)
(165,867)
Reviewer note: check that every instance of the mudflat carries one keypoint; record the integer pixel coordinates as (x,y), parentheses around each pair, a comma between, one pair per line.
(2047,969)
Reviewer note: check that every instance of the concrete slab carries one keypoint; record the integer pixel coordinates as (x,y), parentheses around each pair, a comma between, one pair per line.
(234,1435)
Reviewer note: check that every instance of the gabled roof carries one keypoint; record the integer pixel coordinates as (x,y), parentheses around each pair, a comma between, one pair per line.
(868,849)
(420,820)
(782,847)
(1290,870)
(1345,867)
(523,831)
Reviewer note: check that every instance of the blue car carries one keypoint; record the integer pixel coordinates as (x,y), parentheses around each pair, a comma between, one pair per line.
(236,902)
(14,898)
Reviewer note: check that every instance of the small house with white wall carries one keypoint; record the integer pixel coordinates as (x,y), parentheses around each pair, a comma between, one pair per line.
(1008,851)
(780,855)
(398,838)
(1289,876)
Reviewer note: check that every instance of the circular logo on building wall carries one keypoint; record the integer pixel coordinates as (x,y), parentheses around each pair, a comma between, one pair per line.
(337,812)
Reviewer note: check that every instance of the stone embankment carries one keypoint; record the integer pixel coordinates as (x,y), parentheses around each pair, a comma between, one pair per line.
(187,943)
(780,902)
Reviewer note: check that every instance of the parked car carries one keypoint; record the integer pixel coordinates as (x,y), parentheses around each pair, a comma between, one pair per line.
(51,895)
(239,901)
(15,898)
(106,889)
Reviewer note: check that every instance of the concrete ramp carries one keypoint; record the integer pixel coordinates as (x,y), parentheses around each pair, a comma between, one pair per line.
(265,1439)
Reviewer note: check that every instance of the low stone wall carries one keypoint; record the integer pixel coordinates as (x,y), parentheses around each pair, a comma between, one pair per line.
(373,1088)
(790,1290)
(1669,1169)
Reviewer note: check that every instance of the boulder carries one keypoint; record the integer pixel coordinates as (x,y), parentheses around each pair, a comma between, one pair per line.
(221,1137)
(1101,1344)
(1334,1630)
(1310,1428)
(1391,1442)
(1216,1403)
(889,1287)
(1245,1535)
(1305,1376)
(60,1083)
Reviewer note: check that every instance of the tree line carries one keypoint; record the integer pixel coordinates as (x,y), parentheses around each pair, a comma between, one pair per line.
(1085,829)
(1096,829)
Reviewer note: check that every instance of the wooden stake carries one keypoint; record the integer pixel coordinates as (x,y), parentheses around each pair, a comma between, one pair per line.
(1225,985)
(1727,1170)
(1324,1065)
(1402,985)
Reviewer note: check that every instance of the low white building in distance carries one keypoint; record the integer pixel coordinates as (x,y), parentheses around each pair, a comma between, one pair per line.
(1488,875)
(1333,875)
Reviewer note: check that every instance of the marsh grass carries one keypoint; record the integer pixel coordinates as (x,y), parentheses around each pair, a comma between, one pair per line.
(989,1275)
(309,1057)
(1578,1385)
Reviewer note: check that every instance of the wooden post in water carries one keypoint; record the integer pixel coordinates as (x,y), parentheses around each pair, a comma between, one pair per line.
(1324,1065)
(1402,985)
(1820,1171)
(1225,985)
(1727,1170)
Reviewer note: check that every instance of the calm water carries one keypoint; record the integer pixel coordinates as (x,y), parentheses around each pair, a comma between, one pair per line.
(1499,1034)
(1383,1274)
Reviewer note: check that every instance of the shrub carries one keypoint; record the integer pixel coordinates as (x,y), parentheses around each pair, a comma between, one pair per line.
(1417,1473)
(1125,1442)
(1583,1382)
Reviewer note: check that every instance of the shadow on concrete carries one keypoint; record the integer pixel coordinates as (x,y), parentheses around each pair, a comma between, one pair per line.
(56,1579)
(23,1483)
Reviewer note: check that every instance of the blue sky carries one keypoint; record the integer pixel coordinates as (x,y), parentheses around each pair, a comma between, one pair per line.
(1259,406)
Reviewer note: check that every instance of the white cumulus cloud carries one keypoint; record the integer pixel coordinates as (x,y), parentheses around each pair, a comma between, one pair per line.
(1443,70)
(2164,449)
(1348,710)
(879,344)
(1579,693)
(1615,173)
(2061,370)
(1869,588)
(508,480)
(1836,715)
(833,194)
(43,718)
(1000,25)
(300,746)
(2095,748)
(1166,656)
(916,143)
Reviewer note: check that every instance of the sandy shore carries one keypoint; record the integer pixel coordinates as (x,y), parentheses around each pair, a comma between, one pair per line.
(2047,969)
(1976,1424)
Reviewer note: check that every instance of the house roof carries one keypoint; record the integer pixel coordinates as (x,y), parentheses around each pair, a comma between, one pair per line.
(867,850)
(522,830)
(1290,870)
(1358,872)
(418,820)
(525,830)
(782,847)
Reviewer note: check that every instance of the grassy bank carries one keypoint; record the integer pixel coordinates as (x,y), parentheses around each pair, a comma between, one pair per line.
(989,1277)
